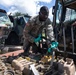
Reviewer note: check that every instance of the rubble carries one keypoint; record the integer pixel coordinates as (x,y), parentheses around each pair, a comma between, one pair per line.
(35,65)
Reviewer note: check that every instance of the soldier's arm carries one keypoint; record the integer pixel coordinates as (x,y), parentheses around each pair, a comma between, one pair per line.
(49,30)
(26,31)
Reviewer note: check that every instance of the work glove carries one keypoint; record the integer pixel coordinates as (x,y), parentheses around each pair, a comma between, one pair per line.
(54,45)
(38,38)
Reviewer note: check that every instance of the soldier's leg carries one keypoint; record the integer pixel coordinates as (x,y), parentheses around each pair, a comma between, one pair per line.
(34,48)
(26,46)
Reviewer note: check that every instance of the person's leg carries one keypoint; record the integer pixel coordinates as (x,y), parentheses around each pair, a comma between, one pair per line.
(34,48)
(26,46)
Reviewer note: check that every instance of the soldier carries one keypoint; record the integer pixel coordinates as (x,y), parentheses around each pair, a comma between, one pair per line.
(34,28)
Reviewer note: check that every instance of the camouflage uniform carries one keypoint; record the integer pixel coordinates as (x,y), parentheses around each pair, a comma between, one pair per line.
(34,27)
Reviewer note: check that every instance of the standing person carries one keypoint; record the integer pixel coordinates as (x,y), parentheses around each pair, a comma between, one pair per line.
(34,28)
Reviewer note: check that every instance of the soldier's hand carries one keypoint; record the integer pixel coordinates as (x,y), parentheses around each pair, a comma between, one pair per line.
(38,38)
(53,45)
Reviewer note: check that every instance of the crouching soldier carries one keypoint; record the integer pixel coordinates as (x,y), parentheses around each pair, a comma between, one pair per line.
(33,29)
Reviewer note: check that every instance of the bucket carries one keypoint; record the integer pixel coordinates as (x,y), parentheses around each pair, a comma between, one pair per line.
(69,67)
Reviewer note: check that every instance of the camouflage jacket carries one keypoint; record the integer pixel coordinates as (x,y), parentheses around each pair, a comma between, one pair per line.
(34,27)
